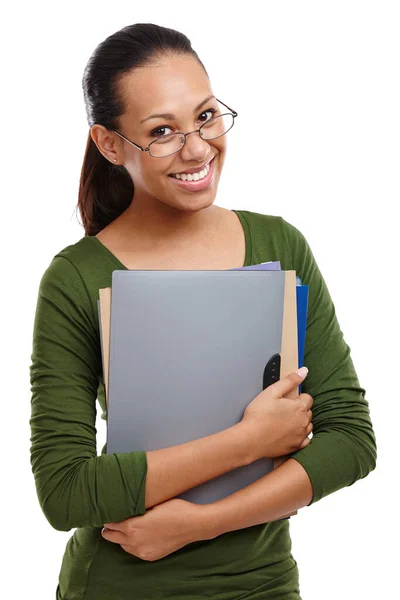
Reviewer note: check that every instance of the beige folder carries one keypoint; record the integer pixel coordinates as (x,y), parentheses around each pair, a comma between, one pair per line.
(289,348)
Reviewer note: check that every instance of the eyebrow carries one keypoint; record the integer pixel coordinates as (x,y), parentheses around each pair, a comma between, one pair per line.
(170,116)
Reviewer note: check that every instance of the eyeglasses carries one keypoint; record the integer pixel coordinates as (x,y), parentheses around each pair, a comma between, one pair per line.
(173,142)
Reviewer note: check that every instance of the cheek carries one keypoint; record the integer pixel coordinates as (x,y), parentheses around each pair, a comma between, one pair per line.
(220,145)
(148,171)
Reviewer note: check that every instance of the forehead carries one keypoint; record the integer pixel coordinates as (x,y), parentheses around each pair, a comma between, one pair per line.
(171,85)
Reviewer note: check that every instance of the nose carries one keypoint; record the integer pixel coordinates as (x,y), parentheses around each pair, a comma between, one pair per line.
(195,147)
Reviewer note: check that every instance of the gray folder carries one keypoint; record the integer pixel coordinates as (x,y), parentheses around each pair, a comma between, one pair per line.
(188,352)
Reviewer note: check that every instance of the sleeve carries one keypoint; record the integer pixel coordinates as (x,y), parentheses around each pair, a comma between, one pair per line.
(343,446)
(75,487)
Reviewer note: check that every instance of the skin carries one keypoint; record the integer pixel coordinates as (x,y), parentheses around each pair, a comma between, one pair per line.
(174,220)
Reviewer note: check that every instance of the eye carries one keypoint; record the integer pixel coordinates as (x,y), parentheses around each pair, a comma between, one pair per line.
(212,111)
(159,132)
(205,116)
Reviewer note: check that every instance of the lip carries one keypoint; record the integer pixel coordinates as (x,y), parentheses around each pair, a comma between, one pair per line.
(196,186)
(193,170)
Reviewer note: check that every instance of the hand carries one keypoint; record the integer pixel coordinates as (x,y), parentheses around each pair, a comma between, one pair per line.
(279,425)
(162,530)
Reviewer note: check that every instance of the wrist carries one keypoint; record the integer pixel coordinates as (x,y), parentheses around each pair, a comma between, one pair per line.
(244,439)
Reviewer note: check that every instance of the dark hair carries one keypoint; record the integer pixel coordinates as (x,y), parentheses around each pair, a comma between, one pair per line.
(106,190)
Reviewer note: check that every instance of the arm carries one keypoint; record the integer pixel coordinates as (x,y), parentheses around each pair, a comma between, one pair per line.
(75,487)
(343,447)
(283,491)
(174,470)
(271,426)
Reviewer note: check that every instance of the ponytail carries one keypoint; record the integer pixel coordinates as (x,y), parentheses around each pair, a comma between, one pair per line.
(105,190)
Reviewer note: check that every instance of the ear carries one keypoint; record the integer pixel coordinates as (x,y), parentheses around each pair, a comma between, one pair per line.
(107,143)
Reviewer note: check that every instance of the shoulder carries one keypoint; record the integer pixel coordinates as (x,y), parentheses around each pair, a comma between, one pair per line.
(259,220)
(80,254)
(273,237)
(74,277)
(271,224)
(64,275)
(67,291)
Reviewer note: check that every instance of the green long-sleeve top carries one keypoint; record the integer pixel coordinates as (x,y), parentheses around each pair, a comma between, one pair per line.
(78,489)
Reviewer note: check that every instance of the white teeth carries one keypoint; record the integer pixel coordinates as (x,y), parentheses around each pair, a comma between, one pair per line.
(193,176)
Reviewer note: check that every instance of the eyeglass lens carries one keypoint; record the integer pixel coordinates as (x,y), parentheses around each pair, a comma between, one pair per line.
(169,144)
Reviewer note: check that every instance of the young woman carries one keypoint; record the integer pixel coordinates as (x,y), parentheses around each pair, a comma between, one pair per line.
(154,157)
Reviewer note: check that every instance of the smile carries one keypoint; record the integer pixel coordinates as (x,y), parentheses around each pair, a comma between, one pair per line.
(196,176)
(194,182)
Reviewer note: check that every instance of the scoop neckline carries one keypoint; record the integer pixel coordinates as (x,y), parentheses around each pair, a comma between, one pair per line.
(247,236)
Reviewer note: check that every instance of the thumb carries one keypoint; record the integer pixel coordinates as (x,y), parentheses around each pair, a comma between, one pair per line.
(283,386)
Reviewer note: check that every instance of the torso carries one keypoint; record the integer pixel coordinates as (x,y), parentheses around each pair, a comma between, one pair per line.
(222,246)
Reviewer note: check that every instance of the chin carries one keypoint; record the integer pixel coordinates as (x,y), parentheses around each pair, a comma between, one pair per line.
(195,202)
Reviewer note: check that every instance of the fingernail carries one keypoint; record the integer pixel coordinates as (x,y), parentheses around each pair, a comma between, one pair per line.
(302,371)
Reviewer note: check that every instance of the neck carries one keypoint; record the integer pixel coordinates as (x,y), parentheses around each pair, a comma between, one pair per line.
(154,220)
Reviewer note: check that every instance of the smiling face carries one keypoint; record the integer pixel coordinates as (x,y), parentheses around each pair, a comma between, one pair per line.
(179,89)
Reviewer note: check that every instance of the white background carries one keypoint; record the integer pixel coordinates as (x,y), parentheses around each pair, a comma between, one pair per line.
(316,86)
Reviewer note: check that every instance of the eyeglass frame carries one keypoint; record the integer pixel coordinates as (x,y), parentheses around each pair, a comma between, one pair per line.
(233,113)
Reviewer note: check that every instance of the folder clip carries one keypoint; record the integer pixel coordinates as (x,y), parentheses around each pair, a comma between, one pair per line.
(272,370)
